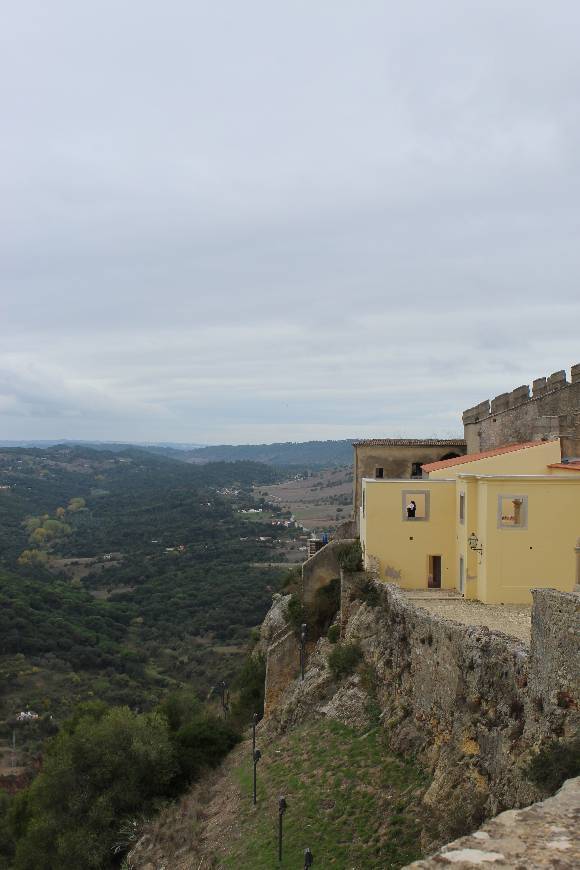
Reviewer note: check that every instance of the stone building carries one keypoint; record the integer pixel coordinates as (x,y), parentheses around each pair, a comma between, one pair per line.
(398,458)
(550,410)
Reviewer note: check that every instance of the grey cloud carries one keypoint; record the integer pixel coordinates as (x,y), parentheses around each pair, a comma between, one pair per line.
(240,223)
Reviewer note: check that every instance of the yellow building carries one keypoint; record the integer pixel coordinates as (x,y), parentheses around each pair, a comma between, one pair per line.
(490,525)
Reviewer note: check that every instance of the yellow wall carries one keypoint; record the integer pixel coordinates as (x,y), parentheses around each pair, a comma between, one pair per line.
(463,530)
(542,555)
(514,560)
(402,547)
(530,460)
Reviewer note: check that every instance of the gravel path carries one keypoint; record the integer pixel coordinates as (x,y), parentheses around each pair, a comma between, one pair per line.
(513,619)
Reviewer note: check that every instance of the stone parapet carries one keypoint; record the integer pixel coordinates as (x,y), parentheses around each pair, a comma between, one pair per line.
(321,568)
(516,417)
(557,380)
(519,395)
(539,387)
(542,835)
(500,403)
(554,683)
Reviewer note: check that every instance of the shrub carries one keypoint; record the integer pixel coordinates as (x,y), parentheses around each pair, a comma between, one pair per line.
(343,659)
(296,613)
(555,764)
(199,744)
(249,685)
(324,608)
(368,593)
(349,557)
(333,633)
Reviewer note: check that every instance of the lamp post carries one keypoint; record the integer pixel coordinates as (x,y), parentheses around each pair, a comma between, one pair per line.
(281,810)
(255,719)
(225,694)
(303,630)
(308,859)
(257,756)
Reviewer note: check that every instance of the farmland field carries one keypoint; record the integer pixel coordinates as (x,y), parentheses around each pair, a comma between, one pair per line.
(319,502)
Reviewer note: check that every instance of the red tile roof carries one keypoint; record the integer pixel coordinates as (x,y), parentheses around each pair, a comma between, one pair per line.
(410,442)
(473,457)
(567,466)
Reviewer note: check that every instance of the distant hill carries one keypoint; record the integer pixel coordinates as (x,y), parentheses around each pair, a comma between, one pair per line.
(115,446)
(307,454)
(310,454)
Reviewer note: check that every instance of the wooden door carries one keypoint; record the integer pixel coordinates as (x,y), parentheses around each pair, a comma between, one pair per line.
(434,579)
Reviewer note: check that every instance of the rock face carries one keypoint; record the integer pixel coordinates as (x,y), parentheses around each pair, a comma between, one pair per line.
(542,835)
(472,704)
(274,622)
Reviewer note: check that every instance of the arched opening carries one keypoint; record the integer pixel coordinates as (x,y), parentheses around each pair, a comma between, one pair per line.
(449,456)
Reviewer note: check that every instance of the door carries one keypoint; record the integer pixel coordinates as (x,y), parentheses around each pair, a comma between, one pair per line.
(434,579)
(461,575)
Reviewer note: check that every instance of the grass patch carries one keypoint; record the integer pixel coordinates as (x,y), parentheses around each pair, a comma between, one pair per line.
(355,805)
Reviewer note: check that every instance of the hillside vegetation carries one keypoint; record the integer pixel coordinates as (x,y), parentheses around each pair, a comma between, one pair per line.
(306,454)
(122,576)
(349,800)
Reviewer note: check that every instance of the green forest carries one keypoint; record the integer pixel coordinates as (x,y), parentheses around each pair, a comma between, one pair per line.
(126,580)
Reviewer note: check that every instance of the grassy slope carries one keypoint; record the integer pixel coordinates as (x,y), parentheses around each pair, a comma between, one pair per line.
(352,802)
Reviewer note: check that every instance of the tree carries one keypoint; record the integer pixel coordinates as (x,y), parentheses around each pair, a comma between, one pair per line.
(100,770)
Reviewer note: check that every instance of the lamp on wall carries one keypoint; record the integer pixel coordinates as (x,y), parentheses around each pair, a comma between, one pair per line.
(473,542)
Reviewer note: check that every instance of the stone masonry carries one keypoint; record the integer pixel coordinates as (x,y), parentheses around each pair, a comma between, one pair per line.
(542,835)
(473,705)
(321,568)
(397,458)
(551,409)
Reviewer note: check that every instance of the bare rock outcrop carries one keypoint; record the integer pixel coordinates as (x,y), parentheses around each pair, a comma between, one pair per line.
(274,622)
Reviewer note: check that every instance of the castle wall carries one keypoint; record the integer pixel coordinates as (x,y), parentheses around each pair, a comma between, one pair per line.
(473,705)
(282,667)
(320,569)
(550,408)
(524,839)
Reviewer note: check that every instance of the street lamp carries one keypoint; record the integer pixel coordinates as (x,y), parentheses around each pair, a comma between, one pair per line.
(257,756)
(281,810)
(474,544)
(255,720)
(225,693)
(303,630)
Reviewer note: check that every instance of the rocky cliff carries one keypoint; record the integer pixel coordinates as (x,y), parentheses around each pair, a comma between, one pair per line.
(475,706)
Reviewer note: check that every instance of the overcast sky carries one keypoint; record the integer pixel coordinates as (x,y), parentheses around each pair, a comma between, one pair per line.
(259,221)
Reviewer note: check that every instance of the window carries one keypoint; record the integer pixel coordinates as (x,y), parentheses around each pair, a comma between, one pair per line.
(379,473)
(416,469)
(415,505)
(461,507)
(512,511)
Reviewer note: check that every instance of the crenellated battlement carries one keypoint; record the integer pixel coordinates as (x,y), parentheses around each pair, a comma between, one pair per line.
(505,401)
(529,414)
